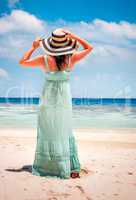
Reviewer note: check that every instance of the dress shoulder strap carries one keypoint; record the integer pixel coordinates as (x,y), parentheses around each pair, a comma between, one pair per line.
(46,62)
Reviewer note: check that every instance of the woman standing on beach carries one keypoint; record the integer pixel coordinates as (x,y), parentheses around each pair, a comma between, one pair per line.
(56,152)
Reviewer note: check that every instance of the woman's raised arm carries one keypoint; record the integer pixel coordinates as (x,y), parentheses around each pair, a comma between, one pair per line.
(37,61)
(79,54)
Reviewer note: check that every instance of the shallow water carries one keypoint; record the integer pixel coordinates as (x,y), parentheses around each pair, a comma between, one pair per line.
(84,116)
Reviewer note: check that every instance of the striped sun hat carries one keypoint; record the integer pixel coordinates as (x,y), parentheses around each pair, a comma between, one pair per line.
(58,44)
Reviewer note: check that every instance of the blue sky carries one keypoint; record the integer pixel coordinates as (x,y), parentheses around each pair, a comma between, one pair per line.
(109,25)
(87,10)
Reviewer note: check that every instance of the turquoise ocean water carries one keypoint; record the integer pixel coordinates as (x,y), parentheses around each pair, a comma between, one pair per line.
(87,113)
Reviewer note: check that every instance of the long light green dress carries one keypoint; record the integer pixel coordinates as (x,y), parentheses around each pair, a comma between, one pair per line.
(56,152)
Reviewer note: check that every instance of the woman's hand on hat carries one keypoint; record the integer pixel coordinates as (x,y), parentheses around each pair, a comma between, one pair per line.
(36,43)
(66,31)
(69,34)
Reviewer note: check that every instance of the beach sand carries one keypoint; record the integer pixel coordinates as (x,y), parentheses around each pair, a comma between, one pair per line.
(107,157)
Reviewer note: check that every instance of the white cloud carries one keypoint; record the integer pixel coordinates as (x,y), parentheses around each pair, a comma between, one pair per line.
(17,31)
(4,73)
(121,29)
(107,32)
(20,21)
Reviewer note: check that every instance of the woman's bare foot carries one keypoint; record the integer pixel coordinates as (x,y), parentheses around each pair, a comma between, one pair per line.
(75,174)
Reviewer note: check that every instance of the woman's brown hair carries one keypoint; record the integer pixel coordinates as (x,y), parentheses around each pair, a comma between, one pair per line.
(60,60)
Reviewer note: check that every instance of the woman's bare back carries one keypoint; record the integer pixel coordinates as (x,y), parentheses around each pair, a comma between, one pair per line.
(53,67)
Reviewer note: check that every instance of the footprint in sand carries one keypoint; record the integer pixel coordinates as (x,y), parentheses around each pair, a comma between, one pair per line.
(80,188)
(83,192)
(51,192)
(84,171)
(115,194)
(130,173)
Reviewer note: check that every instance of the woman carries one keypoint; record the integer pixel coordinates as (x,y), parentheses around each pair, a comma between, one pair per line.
(56,152)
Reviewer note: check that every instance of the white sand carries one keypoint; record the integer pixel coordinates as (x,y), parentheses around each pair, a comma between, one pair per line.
(108,160)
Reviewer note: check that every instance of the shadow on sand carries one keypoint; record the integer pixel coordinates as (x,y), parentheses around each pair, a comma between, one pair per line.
(28,168)
(25,168)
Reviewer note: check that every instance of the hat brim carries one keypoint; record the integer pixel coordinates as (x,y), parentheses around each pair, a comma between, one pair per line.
(45,45)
